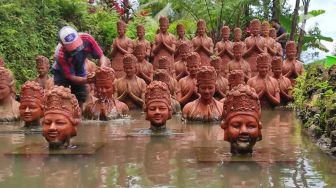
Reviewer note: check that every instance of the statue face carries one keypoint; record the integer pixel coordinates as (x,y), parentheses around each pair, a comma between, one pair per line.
(218,68)
(243,132)
(263,69)
(192,68)
(272,33)
(225,34)
(5,91)
(277,71)
(121,30)
(206,90)
(163,26)
(158,113)
(30,111)
(105,89)
(140,54)
(140,33)
(255,29)
(57,129)
(290,53)
(129,69)
(265,31)
(184,53)
(238,54)
(42,68)
(180,32)
(237,36)
(201,30)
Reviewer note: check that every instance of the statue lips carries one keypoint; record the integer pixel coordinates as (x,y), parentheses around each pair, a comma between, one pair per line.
(27,116)
(53,134)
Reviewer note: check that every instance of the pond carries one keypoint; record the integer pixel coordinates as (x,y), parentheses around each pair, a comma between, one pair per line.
(195,157)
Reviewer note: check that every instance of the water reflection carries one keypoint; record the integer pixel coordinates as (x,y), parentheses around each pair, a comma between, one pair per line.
(289,159)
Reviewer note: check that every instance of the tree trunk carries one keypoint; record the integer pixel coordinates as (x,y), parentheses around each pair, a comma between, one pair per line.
(294,20)
(302,28)
(276,9)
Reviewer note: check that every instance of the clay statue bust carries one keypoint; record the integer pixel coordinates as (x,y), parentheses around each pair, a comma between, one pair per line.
(238,63)
(241,119)
(9,108)
(130,89)
(144,68)
(140,29)
(222,85)
(277,45)
(269,41)
(187,89)
(255,44)
(267,87)
(180,39)
(285,85)
(202,44)
(158,105)
(180,67)
(163,76)
(42,67)
(164,44)
(61,116)
(206,108)
(31,103)
(121,46)
(105,107)
(223,48)
(237,37)
(235,78)
(292,68)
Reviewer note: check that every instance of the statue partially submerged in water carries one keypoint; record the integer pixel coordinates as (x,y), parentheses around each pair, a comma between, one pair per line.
(61,116)
(9,107)
(241,116)
(31,107)
(105,107)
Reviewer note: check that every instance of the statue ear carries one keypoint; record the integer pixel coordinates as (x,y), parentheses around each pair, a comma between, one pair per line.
(223,124)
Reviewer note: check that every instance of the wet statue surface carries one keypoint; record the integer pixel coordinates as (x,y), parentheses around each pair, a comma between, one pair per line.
(223,48)
(121,46)
(241,119)
(292,68)
(105,106)
(202,44)
(164,44)
(31,103)
(222,84)
(238,63)
(9,107)
(206,108)
(42,67)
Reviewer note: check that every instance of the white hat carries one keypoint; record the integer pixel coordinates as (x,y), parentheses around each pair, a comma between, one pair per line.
(70,38)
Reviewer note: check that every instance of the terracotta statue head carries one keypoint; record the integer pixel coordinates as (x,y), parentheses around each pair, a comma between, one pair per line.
(225,33)
(265,27)
(180,30)
(193,63)
(164,24)
(272,33)
(164,63)
(61,116)
(104,82)
(237,34)
(42,65)
(201,27)
(140,52)
(31,103)
(235,78)
(277,66)
(291,50)
(121,28)
(140,31)
(206,82)
(184,50)
(129,61)
(158,104)
(238,50)
(241,115)
(216,62)
(163,76)
(7,86)
(255,27)
(263,64)
(2,62)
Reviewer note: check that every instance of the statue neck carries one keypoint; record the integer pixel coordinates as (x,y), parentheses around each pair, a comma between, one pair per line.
(7,101)
(206,101)
(34,123)
(156,128)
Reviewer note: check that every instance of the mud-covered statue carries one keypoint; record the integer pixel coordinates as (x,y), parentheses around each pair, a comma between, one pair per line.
(238,63)
(144,68)
(9,107)
(105,107)
(277,45)
(180,39)
(285,85)
(121,46)
(164,44)
(31,103)
(267,87)
(241,119)
(61,116)
(255,44)
(180,67)
(202,44)
(158,105)
(42,67)
(222,84)
(187,88)
(141,40)
(269,41)
(223,48)
(292,68)
(206,108)
(130,89)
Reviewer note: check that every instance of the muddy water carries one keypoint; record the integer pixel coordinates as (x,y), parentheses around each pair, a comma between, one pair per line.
(195,157)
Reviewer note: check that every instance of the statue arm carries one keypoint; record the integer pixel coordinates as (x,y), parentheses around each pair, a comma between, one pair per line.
(276,98)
